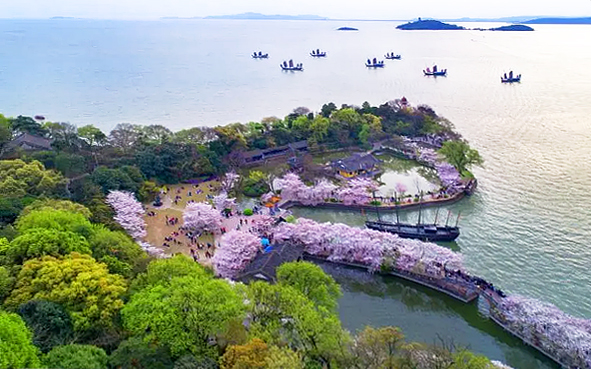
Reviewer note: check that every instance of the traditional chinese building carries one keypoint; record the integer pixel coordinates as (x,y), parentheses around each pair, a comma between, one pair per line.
(356,165)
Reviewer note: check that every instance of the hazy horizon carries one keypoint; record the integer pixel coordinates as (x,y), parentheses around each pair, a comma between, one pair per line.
(368,9)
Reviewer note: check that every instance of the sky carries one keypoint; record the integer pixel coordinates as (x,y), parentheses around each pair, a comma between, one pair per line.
(343,9)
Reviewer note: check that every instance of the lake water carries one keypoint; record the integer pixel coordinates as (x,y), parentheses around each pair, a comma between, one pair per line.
(527,228)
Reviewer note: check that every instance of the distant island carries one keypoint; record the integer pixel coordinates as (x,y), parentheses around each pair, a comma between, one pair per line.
(259,16)
(435,25)
(586,20)
(512,27)
(347,29)
(428,24)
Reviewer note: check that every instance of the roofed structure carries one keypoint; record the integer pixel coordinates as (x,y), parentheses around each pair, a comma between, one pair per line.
(272,152)
(357,164)
(27,141)
(264,266)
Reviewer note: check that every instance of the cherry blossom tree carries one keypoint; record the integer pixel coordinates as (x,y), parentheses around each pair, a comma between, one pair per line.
(566,338)
(339,242)
(128,213)
(267,197)
(291,187)
(229,181)
(199,216)
(236,250)
(222,201)
(357,191)
(448,175)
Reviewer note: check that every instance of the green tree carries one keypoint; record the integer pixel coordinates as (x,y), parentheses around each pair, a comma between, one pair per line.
(250,355)
(92,135)
(5,132)
(283,358)
(53,204)
(116,249)
(41,242)
(460,155)
(135,353)
(18,178)
(280,313)
(22,124)
(377,348)
(75,356)
(70,165)
(327,109)
(84,287)
(50,323)
(60,220)
(16,348)
(183,314)
(156,134)
(163,271)
(310,280)
(6,279)
(464,359)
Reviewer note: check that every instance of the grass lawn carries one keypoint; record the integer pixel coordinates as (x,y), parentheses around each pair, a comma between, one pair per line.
(156,225)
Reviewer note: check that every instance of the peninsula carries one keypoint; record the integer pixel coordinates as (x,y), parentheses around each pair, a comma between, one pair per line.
(429,24)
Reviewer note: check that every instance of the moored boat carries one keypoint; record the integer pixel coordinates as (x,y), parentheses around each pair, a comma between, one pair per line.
(318,54)
(420,231)
(510,78)
(259,55)
(435,72)
(424,232)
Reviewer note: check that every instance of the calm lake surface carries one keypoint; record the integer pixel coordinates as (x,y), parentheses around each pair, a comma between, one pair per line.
(527,228)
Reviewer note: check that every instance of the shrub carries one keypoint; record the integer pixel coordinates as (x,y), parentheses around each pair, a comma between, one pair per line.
(247,212)
(375,203)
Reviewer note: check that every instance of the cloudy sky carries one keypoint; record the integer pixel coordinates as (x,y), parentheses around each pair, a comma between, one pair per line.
(361,9)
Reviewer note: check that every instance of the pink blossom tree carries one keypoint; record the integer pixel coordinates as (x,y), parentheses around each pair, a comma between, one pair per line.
(340,242)
(236,250)
(291,187)
(128,213)
(222,201)
(229,181)
(357,191)
(557,333)
(199,216)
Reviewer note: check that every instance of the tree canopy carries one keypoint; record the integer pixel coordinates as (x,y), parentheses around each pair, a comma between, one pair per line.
(84,287)
(460,155)
(76,356)
(16,348)
(184,314)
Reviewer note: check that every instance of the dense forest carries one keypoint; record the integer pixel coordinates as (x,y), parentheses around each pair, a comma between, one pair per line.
(78,292)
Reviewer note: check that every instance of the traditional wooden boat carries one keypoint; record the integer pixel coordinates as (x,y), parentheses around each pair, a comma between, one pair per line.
(290,67)
(420,231)
(379,64)
(318,54)
(435,72)
(424,232)
(392,57)
(260,55)
(510,78)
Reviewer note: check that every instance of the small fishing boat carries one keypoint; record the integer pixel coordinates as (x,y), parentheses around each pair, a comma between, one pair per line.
(435,72)
(318,54)
(374,63)
(289,66)
(420,231)
(391,56)
(510,78)
(259,55)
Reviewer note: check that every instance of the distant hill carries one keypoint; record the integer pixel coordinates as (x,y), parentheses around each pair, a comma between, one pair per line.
(260,16)
(347,29)
(513,27)
(517,19)
(429,24)
(560,21)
